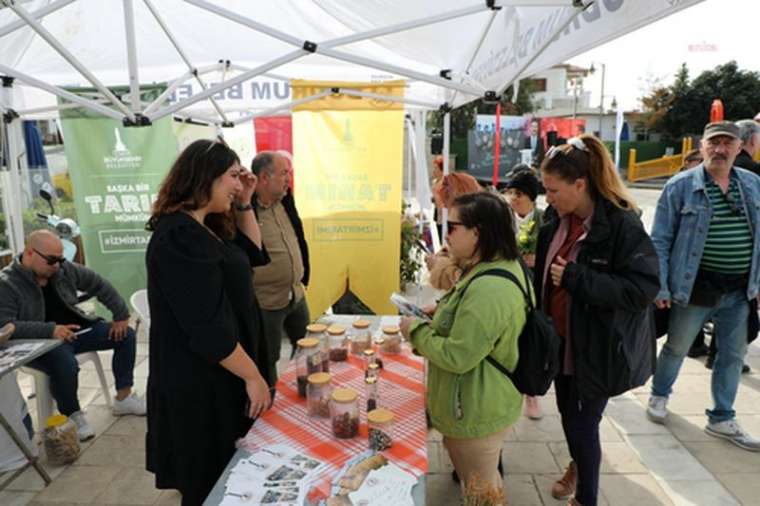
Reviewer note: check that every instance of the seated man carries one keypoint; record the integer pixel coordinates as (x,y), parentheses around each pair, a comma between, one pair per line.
(38,294)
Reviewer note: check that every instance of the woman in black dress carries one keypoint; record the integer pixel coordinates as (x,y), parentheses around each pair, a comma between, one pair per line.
(207,378)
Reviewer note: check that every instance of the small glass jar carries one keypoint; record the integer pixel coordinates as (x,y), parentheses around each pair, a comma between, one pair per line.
(308,362)
(318,331)
(361,337)
(370,357)
(391,340)
(372,371)
(372,393)
(380,429)
(337,340)
(344,413)
(318,395)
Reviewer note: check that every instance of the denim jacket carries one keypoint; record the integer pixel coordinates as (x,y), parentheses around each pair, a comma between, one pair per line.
(680,230)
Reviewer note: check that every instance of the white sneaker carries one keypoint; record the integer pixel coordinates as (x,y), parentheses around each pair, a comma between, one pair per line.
(131,405)
(83,428)
(657,409)
(731,430)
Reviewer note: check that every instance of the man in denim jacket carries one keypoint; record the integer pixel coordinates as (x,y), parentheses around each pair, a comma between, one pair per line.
(706,234)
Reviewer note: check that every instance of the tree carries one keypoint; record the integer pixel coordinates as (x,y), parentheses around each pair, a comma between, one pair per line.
(684,107)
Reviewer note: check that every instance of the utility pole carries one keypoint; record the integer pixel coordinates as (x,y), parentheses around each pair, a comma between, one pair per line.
(601,103)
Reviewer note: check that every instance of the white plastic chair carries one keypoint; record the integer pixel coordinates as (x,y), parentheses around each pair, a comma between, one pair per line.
(44,398)
(139,302)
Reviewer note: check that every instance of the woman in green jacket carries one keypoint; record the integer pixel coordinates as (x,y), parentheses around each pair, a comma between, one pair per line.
(470,401)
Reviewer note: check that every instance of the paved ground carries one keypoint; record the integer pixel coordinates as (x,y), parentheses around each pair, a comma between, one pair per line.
(644,463)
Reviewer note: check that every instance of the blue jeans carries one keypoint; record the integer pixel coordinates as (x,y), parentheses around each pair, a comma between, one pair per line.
(62,366)
(729,316)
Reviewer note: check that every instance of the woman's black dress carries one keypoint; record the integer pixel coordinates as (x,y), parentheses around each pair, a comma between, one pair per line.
(201,300)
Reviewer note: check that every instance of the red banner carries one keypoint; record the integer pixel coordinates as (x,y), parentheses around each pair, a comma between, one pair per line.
(273,133)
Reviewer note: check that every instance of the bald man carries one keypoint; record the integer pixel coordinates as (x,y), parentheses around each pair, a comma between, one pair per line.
(38,295)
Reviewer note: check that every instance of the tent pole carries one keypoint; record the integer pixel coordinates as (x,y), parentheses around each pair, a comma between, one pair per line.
(256,71)
(477,48)
(278,108)
(338,55)
(184,57)
(387,98)
(14,222)
(70,58)
(134,79)
(71,97)
(446,143)
(178,82)
(15,25)
(545,45)
(401,27)
(53,108)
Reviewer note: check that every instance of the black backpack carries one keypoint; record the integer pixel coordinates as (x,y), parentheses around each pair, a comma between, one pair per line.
(538,343)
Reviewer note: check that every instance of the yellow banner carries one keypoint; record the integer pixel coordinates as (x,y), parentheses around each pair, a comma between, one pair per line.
(302,89)
(348,175)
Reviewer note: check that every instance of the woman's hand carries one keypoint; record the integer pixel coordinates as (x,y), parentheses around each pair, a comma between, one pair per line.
(258,395)
(249,180)
(557,270)
(430,309)
(404,324)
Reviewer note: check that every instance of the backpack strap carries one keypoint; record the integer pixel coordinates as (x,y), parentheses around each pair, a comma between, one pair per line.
(502,273)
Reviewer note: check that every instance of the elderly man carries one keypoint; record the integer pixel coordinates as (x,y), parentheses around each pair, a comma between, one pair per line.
(707,237)
(38,294)
(279,285)
(749,134)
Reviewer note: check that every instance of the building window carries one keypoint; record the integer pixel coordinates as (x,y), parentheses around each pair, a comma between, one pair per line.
(538,85)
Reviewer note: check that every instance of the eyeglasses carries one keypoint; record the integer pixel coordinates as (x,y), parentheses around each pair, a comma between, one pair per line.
(50,259)
(575,142)
(451,225)
(736,207)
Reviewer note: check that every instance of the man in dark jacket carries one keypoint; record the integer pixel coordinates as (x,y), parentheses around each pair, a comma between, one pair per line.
(280,285)
(38,294)
(749,134)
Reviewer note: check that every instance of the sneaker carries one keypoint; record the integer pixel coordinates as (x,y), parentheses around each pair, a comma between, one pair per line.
(746,369)
(131,405)
(731,430)
(657,408)
(84,430)
(565,486)
(533,408)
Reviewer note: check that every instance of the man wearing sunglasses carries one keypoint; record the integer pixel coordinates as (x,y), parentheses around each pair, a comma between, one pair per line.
(707,236)
(38,294)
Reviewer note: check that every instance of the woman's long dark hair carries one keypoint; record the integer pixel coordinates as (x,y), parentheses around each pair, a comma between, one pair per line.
(188,184)
(491,216)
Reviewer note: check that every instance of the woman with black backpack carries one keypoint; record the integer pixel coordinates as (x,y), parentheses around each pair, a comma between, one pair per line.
(596,275)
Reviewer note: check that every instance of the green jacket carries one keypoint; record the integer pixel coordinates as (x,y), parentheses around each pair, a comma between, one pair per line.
(468,397)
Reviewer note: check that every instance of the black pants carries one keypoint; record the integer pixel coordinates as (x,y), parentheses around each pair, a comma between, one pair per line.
(580,422)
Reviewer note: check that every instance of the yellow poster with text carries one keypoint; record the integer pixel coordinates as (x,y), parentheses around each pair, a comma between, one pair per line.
(348,164)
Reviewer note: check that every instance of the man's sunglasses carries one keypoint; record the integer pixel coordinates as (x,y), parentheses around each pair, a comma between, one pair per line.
(50,259)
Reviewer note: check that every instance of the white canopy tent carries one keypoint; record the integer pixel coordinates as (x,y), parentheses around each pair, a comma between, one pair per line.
(449,51)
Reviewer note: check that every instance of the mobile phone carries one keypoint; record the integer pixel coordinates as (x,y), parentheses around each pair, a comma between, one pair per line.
(423,246)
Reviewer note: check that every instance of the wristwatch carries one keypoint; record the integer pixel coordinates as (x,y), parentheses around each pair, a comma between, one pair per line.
(244,207)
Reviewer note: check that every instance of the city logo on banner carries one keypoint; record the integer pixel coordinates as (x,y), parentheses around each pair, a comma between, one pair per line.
(121,157)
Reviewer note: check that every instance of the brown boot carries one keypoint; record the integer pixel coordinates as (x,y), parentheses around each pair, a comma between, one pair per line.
(565,486)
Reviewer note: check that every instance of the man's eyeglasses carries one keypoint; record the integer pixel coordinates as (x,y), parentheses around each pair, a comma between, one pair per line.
(50,259)
(736,207)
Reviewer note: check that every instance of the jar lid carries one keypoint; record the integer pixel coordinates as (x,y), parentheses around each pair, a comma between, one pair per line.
(361,324)
(380,341)
(373,366)
(308,342)
(370,380)
(380,415)
(319,378)
(55,421)
(316,327)
(336,330)
(344,395)
(391,329)
(369,352)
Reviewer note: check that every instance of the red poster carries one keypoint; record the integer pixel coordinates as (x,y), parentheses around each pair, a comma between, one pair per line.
(565,127)
(275,133)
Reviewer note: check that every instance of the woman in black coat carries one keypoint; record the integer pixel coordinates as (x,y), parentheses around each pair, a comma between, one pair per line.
(207,351)
(596,275)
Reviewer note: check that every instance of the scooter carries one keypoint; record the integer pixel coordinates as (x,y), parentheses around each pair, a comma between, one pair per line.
(66,228)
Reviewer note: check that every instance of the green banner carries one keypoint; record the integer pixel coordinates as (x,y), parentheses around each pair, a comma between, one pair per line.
(115,172)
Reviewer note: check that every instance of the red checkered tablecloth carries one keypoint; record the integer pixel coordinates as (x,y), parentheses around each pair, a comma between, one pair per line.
(402,390)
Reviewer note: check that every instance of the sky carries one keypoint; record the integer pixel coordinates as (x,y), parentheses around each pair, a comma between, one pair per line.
(703,36)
